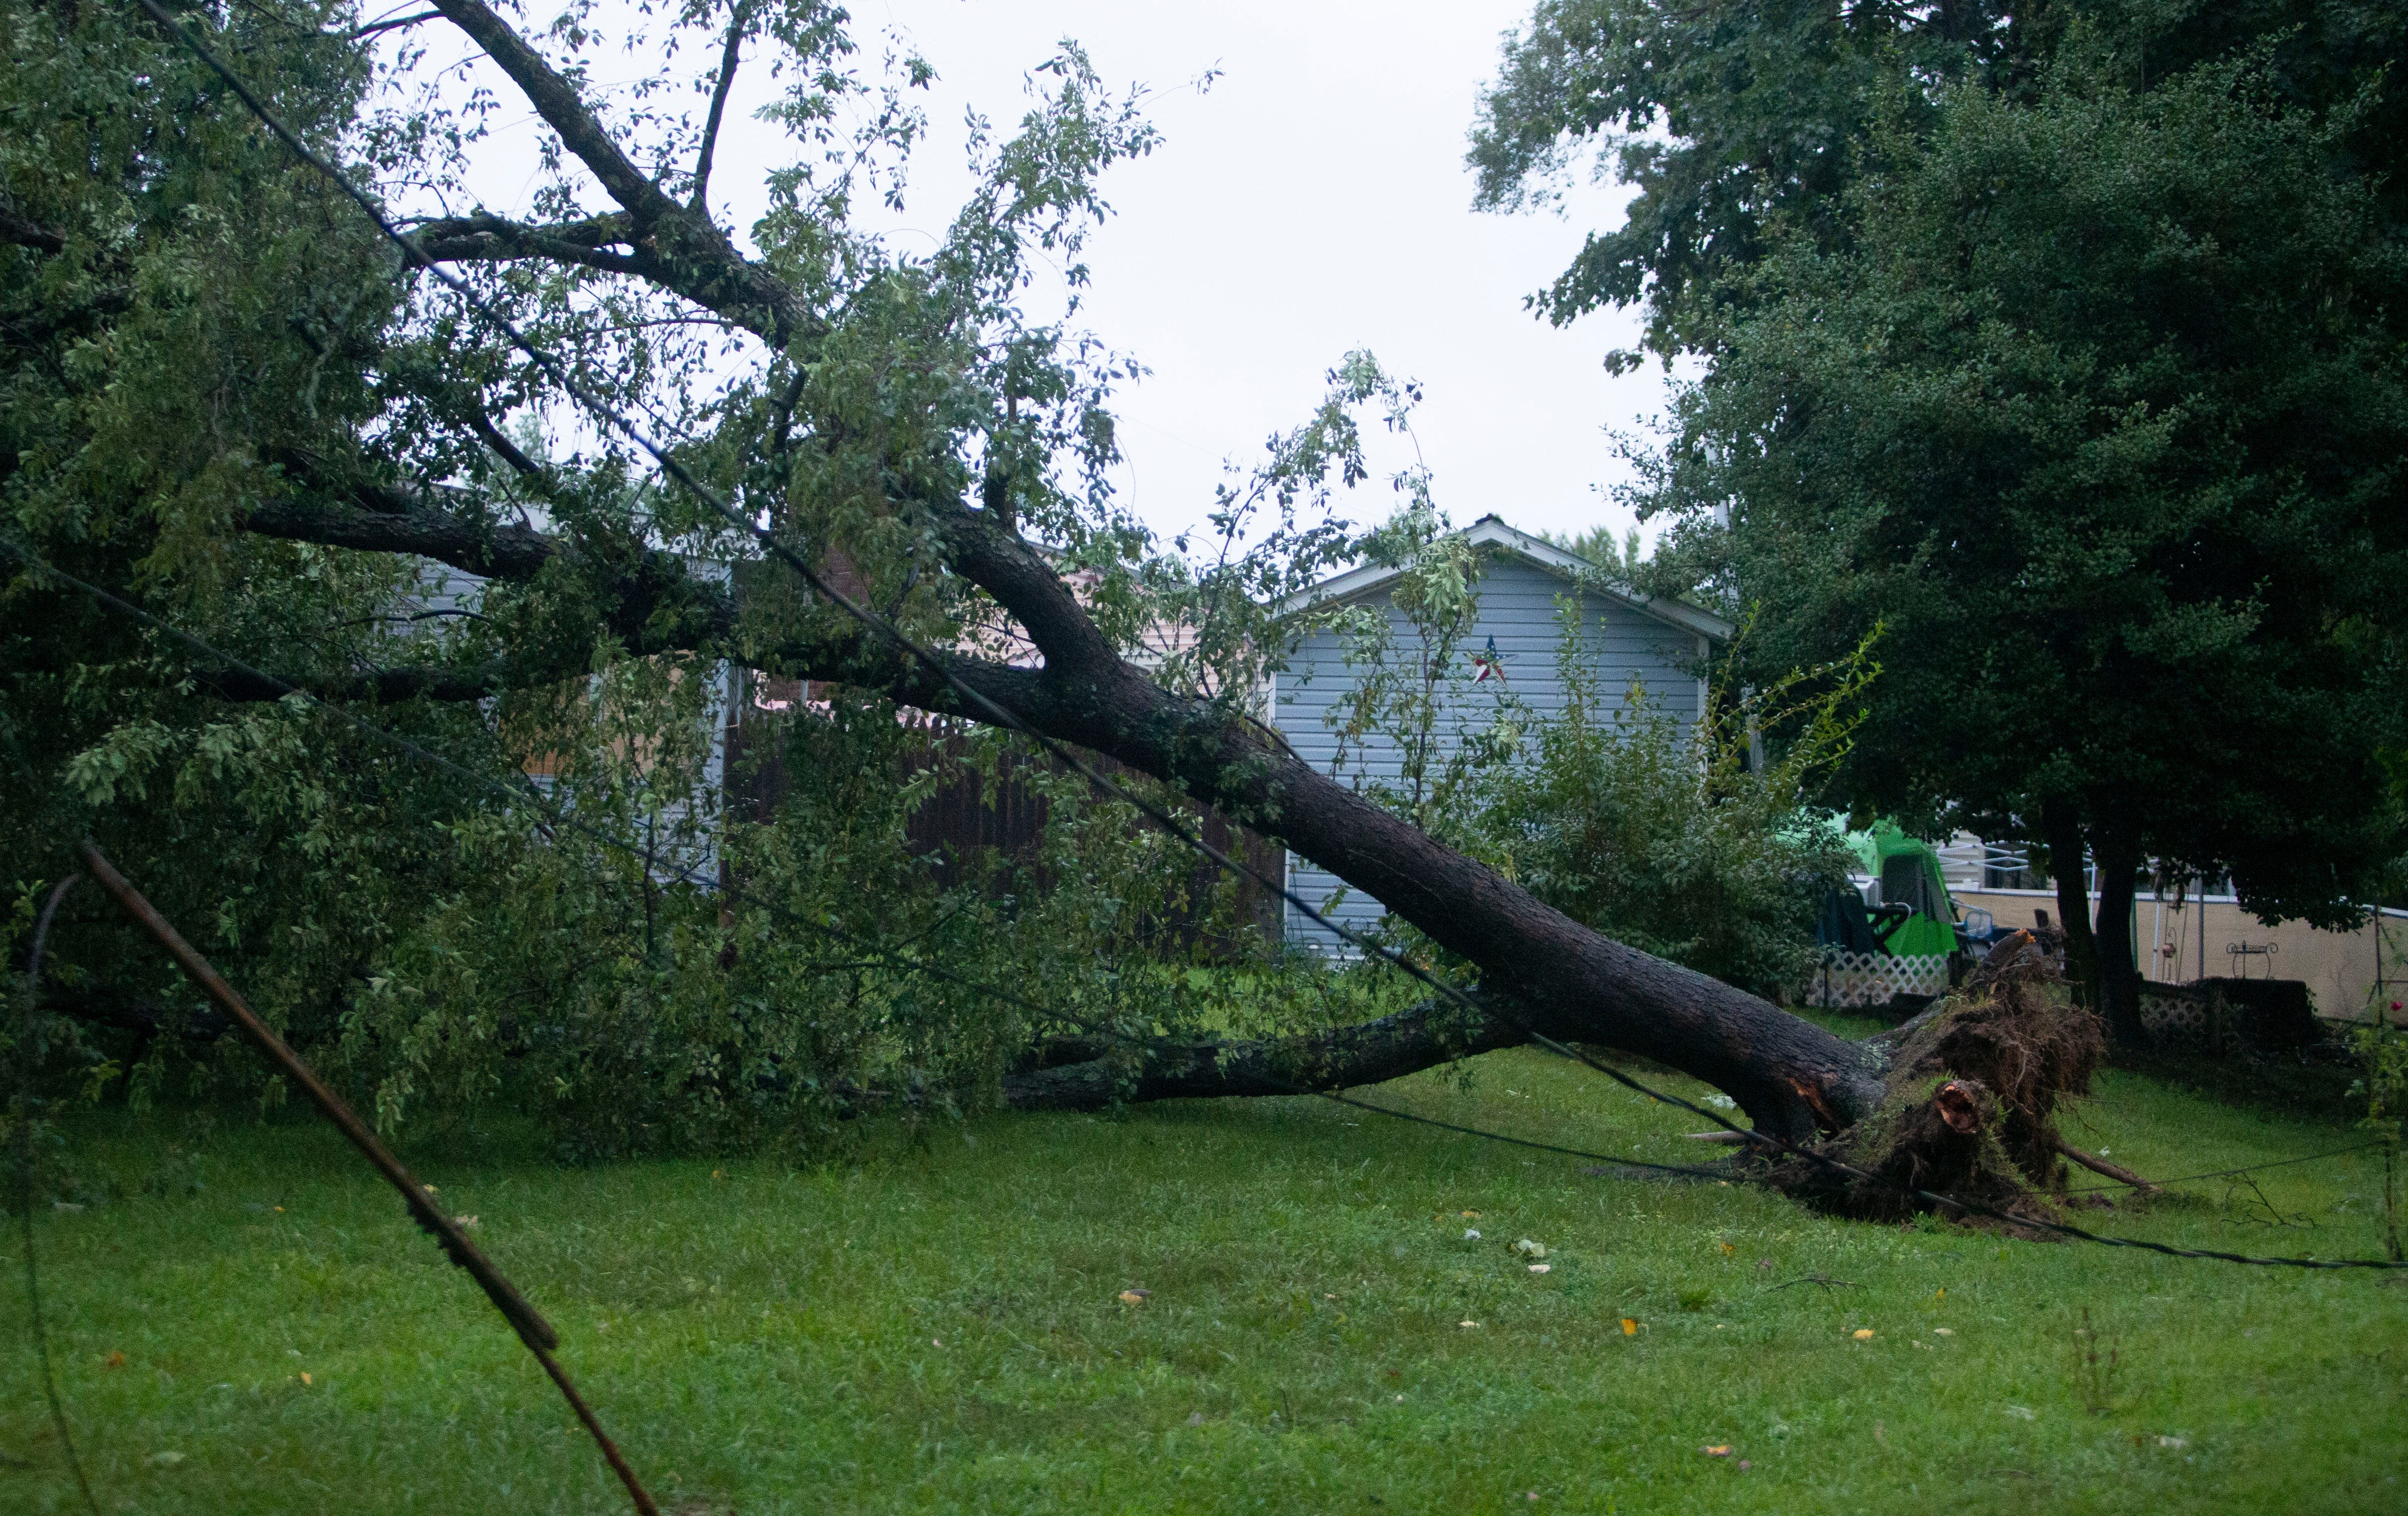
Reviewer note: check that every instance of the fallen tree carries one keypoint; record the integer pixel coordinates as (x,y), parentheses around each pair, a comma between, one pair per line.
(941,499)
(1969,1088)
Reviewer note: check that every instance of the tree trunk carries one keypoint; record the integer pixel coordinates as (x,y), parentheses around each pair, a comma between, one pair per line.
(2062,828)
(1091,1076)
(2119,981)
(1542,971)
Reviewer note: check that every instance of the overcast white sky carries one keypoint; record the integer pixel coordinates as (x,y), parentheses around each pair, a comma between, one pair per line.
(1314,200)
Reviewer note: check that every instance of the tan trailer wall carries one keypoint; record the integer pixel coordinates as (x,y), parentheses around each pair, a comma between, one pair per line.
(2340,967)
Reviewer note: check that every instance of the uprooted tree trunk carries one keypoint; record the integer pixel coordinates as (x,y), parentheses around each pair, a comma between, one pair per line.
(1967,1089)
(1543,972)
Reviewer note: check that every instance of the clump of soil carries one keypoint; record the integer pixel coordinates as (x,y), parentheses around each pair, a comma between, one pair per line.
(2016,1031)
(1973,1089)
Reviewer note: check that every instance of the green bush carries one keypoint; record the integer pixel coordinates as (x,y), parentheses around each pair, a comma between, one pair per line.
(1672,838)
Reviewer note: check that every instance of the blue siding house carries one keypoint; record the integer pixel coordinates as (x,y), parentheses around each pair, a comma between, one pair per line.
(1632,638)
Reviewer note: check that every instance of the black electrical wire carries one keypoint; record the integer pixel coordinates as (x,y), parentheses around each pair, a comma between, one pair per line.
(1691,1169)
(29,1046)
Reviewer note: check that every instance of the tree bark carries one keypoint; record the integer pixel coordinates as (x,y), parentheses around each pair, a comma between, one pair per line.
(2062,828)
(2118,974)
(1545,971)
(2097,1165)
(1101,1075)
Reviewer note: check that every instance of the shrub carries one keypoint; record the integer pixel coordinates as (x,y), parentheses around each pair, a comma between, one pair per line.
(1681,840)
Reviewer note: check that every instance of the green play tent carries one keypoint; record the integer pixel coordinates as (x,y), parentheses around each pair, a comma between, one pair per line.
(1909,871)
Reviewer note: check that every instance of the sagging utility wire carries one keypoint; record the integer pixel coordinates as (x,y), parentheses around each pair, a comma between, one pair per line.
(30,1045)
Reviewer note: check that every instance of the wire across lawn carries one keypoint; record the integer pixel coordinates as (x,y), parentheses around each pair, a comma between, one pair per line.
(243,1321)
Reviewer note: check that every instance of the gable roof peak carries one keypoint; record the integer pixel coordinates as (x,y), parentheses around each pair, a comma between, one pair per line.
(1492,531)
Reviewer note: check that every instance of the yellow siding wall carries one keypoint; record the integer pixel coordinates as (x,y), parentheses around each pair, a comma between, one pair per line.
(2340,967)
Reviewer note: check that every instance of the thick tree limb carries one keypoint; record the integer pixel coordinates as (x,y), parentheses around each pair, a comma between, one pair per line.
(371,28)
(502,447)
(18,231)
(2097,1165)
(397,520)
(692,256)
(386,686)
(1336,1059)
(653,602)
(453,682)
(1791,1076)
(698,200)
(652,599)
(487,239)
(555,99)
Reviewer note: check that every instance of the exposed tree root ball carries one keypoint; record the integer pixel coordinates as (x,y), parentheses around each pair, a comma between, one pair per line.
(1938,1134)
(2018,1033)
(1971,1097)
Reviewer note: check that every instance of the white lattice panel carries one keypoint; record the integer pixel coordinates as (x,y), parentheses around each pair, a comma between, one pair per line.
(1856,980)
(2176,1018)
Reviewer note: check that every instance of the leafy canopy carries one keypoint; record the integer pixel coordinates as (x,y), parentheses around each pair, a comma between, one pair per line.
(212,369)
(1729,116)
(2101,411)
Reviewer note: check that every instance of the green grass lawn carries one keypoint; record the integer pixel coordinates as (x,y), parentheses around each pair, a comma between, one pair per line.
(933,1325)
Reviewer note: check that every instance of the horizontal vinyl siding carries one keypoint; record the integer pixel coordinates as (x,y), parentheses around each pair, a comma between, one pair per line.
(1518,609)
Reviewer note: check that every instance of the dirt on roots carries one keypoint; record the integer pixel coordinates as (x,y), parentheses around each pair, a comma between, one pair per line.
(1972,1091)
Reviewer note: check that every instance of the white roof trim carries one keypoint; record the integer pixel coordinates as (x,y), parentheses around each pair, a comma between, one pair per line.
(1490,532)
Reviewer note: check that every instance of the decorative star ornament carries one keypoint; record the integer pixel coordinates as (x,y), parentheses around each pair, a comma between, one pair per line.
(1489,661)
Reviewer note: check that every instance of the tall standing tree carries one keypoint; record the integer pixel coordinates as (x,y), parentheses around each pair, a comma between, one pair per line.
(2077,366)
(2103,416)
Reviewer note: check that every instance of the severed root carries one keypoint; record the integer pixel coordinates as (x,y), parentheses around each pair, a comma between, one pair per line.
(1959,1105)
(2097,1165)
